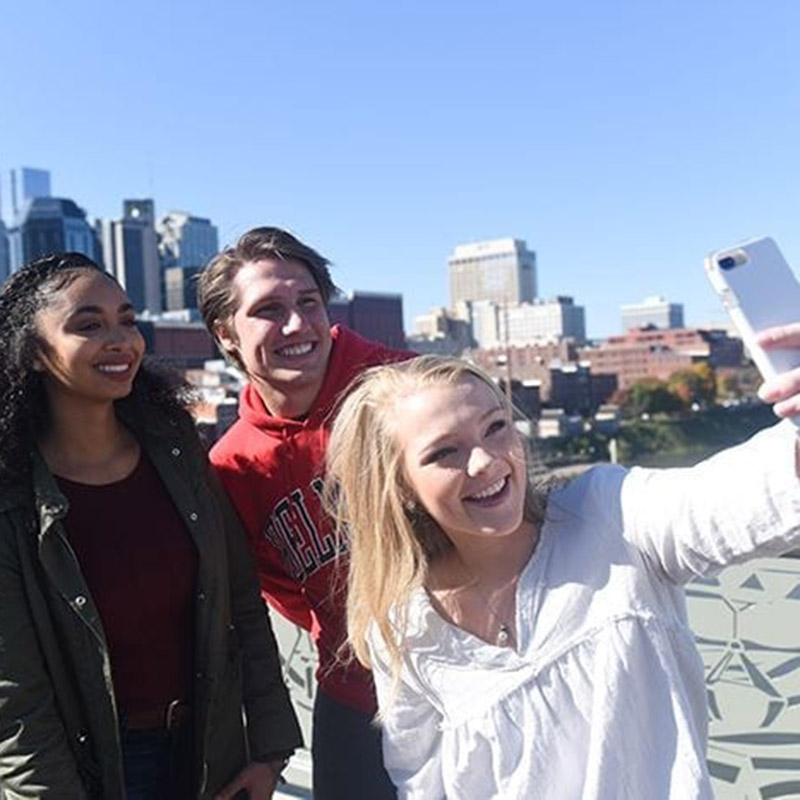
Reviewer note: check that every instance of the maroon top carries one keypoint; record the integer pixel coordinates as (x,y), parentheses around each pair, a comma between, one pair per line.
(140,565)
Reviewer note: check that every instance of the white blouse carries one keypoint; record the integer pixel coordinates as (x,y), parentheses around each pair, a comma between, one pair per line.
(604,698)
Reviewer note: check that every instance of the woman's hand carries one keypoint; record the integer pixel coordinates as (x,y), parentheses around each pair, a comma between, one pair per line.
(784,390)
(258,778)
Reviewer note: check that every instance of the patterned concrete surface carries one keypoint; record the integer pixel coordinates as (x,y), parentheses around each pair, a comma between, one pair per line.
(299,662)
(747,622)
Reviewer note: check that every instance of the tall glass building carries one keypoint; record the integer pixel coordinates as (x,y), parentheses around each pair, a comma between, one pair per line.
(130,253)
(48,225)
(27,183)
(185,240)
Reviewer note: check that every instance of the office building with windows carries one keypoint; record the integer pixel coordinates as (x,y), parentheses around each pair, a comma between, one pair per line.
(543,321)
(185,240)
(441,332)
(652,312)
(653,353)
(27,184)
(498,270)
(48,225)
(373,315)
(130,253)
(180,288)
(520,324)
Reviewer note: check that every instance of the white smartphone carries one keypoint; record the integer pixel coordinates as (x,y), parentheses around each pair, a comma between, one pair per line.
(759,290)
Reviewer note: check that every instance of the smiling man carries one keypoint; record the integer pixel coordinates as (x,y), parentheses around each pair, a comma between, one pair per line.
(265,302)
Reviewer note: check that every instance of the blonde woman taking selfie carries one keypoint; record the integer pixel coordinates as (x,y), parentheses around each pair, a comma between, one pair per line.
(526,646)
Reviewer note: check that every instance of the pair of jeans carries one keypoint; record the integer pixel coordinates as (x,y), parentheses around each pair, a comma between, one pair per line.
(347,754)
(155,764)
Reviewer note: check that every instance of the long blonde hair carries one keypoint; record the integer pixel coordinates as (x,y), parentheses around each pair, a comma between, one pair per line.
(392,540)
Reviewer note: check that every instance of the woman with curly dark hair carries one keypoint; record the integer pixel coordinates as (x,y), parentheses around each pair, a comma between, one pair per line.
(131,629)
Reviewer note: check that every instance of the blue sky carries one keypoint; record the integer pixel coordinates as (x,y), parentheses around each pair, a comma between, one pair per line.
(622,139)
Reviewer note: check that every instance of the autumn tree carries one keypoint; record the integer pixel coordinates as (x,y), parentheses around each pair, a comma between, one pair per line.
(694,384)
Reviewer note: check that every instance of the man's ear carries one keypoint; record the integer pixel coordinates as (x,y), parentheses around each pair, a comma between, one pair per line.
(224,337)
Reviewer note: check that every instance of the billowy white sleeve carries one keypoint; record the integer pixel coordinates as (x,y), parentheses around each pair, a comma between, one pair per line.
(411,731)
(739,504)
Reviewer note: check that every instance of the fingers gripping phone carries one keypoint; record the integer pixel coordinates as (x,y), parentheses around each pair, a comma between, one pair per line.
(758,290)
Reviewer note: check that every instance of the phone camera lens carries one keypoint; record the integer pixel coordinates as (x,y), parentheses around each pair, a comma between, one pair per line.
(727,263)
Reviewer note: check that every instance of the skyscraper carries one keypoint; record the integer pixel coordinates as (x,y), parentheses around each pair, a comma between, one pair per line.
(185,240)
(503,270)
(130,253)
(48,225)
(27,183)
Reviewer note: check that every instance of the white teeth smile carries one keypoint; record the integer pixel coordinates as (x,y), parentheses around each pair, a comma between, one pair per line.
(296,349)
(114,367)
(489,491)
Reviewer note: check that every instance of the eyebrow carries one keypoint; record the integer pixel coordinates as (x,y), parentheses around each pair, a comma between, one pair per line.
(98,310)
(279,296)
(248,308)
(445,436)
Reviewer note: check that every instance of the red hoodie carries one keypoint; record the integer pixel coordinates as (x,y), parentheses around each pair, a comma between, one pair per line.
(272,469)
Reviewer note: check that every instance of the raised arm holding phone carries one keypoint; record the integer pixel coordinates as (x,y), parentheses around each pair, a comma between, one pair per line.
(530,644)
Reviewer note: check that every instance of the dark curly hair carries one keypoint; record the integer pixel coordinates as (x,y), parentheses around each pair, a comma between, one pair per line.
(23,401)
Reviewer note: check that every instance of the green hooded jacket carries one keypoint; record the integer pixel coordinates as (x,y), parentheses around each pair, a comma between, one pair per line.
(59,734)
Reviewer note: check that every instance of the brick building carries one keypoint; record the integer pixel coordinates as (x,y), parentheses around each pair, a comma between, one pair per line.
(657,353)
(563,380)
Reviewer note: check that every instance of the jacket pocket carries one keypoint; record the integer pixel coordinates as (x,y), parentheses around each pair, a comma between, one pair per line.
(88,768)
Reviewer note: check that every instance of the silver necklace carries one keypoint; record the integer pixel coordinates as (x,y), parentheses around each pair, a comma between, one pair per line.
(504,629)
(504,636)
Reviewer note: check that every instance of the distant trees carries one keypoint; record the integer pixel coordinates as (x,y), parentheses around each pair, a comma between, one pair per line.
(649,396)
(694,385)
(691,387)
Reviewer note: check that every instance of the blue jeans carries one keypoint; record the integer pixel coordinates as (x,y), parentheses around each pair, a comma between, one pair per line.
(155,764)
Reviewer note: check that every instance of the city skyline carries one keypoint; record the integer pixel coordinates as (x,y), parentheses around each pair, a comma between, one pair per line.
(495,249)
(622,143)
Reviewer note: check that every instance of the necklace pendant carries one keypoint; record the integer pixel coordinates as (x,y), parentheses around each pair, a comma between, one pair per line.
(503,635)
